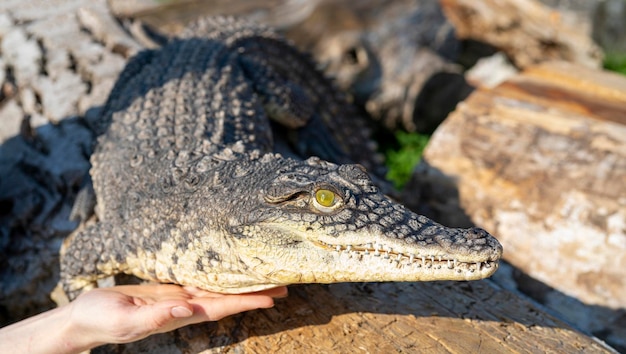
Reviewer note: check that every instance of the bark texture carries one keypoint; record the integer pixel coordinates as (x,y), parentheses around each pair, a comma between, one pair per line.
(540,161)
(527,31)
(441,317)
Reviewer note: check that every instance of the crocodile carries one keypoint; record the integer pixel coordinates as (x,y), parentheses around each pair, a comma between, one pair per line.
(190,190)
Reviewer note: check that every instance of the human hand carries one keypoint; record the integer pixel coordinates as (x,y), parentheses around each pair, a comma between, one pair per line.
(123,314)
(128,313)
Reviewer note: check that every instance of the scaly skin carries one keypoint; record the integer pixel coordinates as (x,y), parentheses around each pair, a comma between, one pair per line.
(189,190)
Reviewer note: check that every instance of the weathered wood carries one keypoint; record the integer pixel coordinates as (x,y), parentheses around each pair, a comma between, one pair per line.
(53,72)
(394,58)
(527,31)
(606,18)
(540,161)
(171,16)
(441,317)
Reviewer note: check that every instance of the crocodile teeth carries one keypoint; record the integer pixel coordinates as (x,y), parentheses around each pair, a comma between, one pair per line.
(386,252)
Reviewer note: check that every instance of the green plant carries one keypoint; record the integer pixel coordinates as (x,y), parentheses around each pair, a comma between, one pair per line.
(615,62)
(402,161)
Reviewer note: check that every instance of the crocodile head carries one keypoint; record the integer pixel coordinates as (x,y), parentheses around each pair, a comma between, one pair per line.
(317,222)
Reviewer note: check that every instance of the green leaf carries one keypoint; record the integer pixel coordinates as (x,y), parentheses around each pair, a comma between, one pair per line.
(403,160)
(615,62)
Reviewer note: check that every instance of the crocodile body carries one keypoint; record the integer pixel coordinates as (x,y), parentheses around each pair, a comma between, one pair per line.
(190,190)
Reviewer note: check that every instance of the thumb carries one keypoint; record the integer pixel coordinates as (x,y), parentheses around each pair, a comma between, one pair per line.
(179,311)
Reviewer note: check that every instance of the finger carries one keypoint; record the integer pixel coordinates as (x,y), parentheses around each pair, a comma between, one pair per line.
(197,292)
(213,309)
(152,292)
(277,293)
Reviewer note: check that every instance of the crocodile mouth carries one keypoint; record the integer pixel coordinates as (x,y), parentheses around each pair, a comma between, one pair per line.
(424,261)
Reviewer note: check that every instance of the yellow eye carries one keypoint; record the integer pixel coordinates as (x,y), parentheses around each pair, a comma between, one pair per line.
(325,198)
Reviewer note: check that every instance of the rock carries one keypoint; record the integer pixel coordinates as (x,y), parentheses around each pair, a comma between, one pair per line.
(5,24)
(540,161)
(3,74)
(11,117)
(22,54)
(36,178)
(61,95)
(99,21)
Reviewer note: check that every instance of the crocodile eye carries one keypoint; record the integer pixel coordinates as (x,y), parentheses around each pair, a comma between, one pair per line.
(325,197)
(326,200)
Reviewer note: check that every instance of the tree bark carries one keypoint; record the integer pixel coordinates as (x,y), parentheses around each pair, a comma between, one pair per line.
(527,31)
(438,317)
(540,161)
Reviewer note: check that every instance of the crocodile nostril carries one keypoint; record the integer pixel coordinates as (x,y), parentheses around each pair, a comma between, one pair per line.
(476,233)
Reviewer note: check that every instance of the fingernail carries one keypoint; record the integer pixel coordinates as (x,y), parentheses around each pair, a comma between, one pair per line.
(180,311)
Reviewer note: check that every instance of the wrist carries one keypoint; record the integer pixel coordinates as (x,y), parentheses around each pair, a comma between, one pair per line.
(74,336)
(50,332)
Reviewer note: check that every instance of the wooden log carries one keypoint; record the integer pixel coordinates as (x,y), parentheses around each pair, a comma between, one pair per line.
(439,317)
(394,58)
(540,161)
(527,31)
(54,74)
